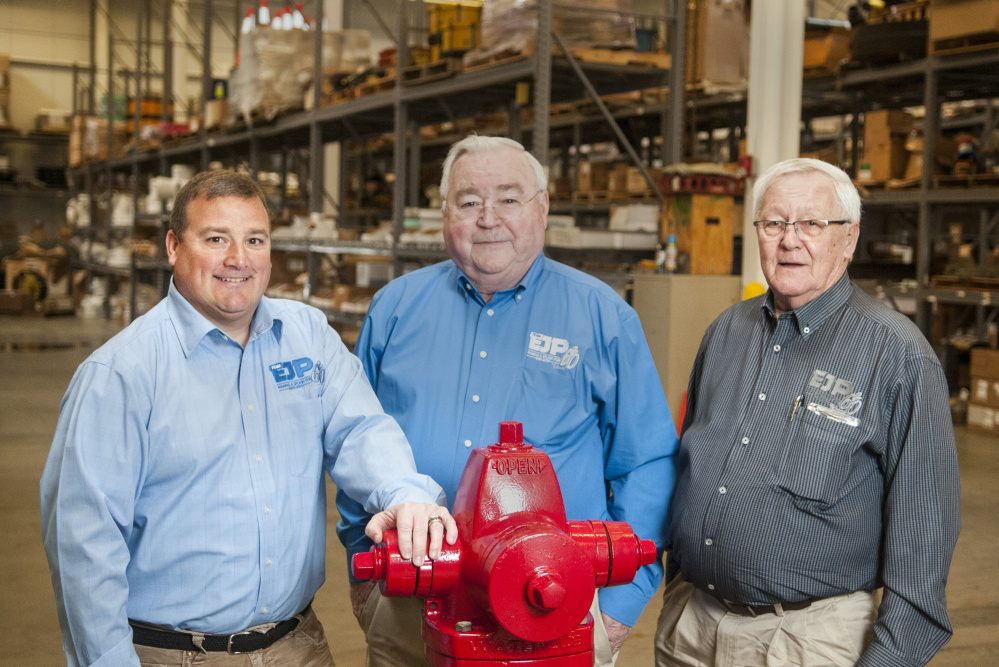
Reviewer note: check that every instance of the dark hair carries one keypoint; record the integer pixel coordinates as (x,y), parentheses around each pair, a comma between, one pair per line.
(211,184)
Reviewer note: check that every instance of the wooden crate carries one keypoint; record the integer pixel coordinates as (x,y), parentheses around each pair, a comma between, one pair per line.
(703,228)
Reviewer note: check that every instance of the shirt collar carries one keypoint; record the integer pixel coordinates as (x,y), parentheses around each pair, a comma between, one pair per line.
(192,327)
(530,278)
(809,318)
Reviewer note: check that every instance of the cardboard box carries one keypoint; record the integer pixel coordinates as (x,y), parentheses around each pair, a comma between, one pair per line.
(981,418)
(985,363)
(825,49)
(16,303)
(216,111)
(717,42)
(592,176)
(951,19)
(885,133)
(634,218)
(985,391)
(617,178)
(703,228)
(636,184)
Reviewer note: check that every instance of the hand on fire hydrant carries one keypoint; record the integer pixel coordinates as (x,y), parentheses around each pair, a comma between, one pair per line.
(414,522)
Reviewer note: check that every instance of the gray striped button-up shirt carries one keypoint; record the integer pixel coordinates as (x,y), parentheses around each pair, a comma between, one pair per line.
(817,459)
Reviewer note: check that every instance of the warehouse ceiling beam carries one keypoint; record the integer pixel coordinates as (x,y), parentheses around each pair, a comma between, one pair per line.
(608,116)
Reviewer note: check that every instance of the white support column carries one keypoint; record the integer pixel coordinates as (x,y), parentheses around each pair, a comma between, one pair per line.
(774,104)
(331,169)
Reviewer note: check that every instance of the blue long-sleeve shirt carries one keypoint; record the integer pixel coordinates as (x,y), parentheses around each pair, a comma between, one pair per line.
(563,354)
(185,482)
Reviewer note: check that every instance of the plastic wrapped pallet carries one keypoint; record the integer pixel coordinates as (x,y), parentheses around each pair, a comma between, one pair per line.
(276,66)
(511,26)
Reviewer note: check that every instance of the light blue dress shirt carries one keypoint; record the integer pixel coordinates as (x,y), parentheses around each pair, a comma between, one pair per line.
(562,353)
(185,482)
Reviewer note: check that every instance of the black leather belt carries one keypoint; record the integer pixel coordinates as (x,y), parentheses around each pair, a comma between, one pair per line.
(760,609)
(240,642)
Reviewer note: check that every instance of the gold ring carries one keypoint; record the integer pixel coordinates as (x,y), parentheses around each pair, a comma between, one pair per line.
(435,519)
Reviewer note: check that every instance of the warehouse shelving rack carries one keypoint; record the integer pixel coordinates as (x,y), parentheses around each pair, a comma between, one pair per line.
(928,82)
(400,110)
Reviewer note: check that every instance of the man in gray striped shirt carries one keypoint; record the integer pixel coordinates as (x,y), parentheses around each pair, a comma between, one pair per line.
(816,463)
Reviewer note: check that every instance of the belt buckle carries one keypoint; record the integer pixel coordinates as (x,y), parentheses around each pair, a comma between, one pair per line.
(228,647)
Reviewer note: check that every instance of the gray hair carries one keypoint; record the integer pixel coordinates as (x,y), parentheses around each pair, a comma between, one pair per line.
(846,192)
(473,143)
(212,184)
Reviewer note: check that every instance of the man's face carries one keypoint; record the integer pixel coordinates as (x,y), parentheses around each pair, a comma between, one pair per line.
(223,263)
(494,252)
(800,269)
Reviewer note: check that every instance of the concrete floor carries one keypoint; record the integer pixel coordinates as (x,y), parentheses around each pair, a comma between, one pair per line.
(38,357)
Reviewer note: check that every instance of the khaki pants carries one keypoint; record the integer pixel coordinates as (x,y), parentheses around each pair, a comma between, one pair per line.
(305,646)
(392,627)
(696,630)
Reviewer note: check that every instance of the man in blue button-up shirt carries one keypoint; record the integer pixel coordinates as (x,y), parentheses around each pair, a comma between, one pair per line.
(501,332)
(183,500)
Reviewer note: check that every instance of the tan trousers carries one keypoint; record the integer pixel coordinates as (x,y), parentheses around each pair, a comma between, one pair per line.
(696,630)
(305,646)
(392,628)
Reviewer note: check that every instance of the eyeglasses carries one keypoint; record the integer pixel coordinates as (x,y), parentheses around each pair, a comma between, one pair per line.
(470,208)
(808,229)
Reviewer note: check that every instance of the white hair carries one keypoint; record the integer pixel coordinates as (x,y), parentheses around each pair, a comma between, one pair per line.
(473,143)
(846,192)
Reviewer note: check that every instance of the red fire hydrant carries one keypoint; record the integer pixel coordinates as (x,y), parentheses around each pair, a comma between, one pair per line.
(517,585)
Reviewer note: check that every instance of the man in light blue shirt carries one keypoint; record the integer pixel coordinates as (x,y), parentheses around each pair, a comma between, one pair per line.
(183,500)
(501,332)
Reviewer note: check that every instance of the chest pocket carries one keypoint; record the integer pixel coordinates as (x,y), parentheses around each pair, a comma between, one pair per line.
(817,454)
(546,403)
(300,434)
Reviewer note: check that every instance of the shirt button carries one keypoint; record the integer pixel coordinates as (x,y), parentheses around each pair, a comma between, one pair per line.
(264,610)
(475,398)
(482,354)
(709,542)
(776,348)
(468,287)
(250,407)
(519,297)
(763,397)
(267,510)
(489,312)
(806,330)
(722,489)
(468,443)
(745,441)
(269,561)
(711,587)
(258,458)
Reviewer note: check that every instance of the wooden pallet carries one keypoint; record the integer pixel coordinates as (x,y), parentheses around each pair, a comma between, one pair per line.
(420,74)
(597,195)
(373,86)
(967,181)
(969,283)
(965,43)
(496,59)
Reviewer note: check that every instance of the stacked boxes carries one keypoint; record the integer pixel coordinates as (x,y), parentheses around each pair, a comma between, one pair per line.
(885,132)
(983,404)
(717,42)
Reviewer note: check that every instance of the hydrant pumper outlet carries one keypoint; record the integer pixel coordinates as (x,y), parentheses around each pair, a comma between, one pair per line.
(517,585)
